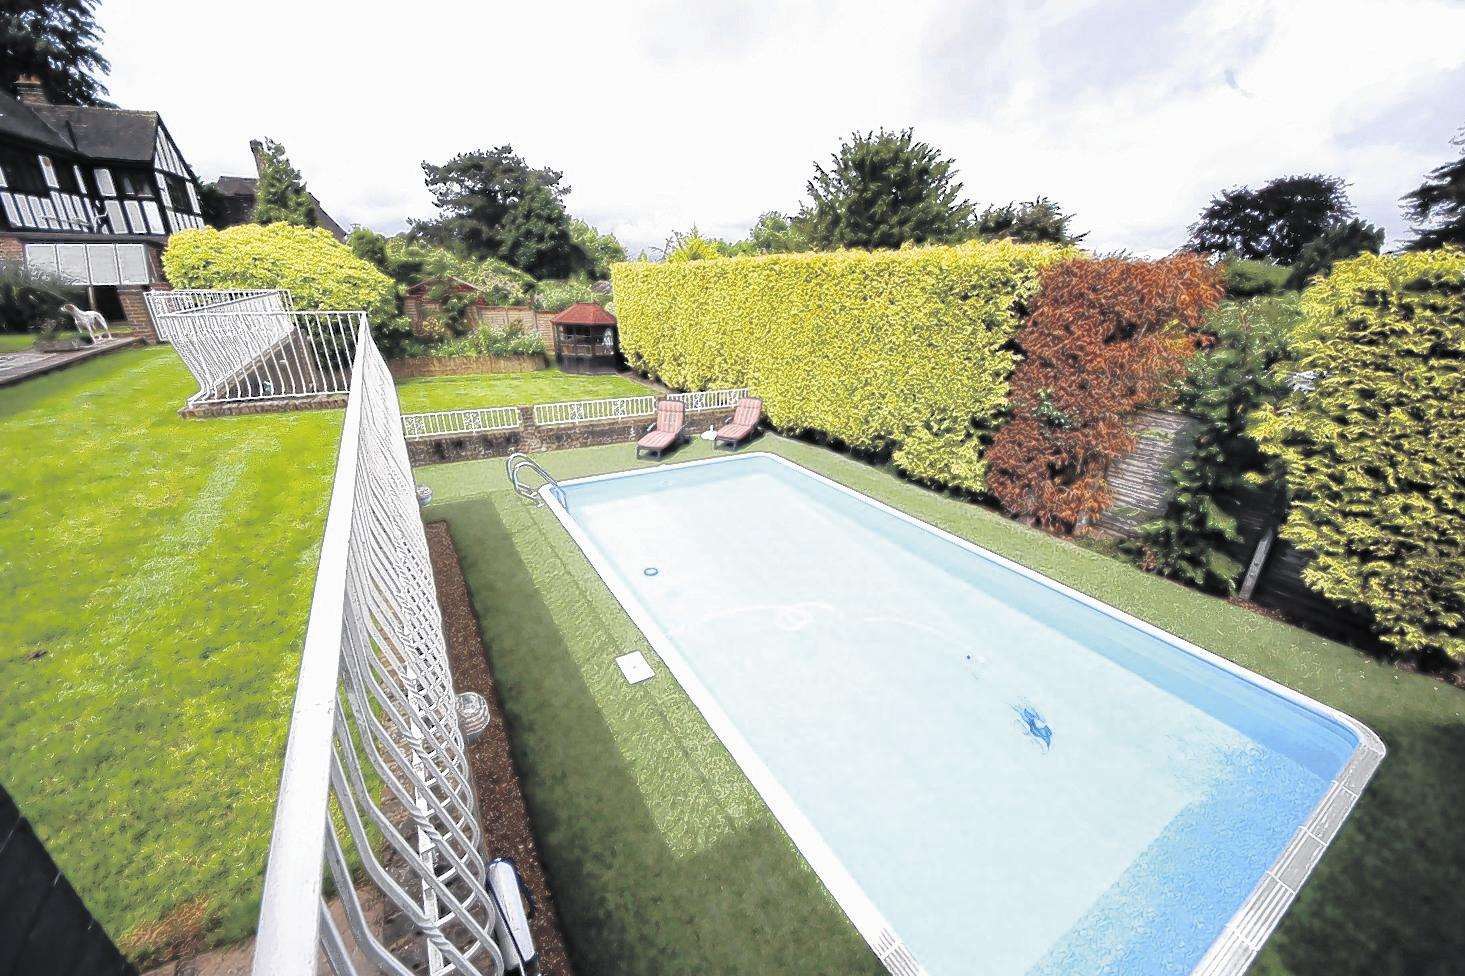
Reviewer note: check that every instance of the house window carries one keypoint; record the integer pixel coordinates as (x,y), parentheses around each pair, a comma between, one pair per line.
(22,172)
(137,184)
(178,193)
(67,181)
(48,171)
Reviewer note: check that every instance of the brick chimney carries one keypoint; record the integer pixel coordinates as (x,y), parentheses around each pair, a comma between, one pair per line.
(28,89)
(257,150)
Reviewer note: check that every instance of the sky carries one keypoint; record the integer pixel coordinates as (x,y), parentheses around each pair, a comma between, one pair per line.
(663,114)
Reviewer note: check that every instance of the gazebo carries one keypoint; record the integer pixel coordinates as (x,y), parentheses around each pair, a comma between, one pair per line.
(585,339)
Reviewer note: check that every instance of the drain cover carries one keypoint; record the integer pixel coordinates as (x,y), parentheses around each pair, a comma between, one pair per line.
(634,667)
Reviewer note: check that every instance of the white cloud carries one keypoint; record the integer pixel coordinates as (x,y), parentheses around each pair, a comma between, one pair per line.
(661,114)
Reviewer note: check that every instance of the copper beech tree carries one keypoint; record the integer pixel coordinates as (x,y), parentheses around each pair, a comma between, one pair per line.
(1105,337)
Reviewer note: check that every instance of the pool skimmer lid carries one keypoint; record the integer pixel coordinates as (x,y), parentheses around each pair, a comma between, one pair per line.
(634,667)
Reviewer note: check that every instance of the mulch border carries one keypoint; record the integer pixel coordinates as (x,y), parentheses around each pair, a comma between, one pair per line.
(507,829)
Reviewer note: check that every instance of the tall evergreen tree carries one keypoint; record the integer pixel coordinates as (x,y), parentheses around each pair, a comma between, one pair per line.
(1273,223)
(58,42)
(1437,208)
(776,233)
(494,204)
(602,249)
(280,194)
(1230,379)
(885,189)
(1036,221)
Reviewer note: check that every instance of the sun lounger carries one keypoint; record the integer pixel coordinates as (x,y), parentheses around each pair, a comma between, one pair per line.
(671,419)
(744,421)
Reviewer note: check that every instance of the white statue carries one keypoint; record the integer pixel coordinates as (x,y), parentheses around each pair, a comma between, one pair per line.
(93,325)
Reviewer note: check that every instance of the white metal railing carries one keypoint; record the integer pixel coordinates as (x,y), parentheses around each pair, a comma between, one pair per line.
(447,422)
(711,399)
(375,759)
(265,353)
(444,423)
(590,411)
(167,303)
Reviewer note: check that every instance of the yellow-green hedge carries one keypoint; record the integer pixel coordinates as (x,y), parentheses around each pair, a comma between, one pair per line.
(318,270)
(905,350)
(1374,450)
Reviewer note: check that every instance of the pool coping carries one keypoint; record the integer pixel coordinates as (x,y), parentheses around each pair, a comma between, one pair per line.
(1243,936)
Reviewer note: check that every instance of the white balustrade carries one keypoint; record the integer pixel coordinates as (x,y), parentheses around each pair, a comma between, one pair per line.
(375,772)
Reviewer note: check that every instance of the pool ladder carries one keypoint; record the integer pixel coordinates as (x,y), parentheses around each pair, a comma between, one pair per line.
(517,462)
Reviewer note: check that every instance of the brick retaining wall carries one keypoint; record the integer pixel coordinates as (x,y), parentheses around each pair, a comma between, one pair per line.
(134,305)
(531,437)
(463,365)
(247,407)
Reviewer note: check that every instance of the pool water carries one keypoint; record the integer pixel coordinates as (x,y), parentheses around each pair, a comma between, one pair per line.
(990,773)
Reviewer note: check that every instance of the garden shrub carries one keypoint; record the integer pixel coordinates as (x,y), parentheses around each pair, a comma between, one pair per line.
(1373,445)
(317,270)
(907,350)
(1240,368)
(1247,279)
(487,342)
(556,296)
(411,262)
(31,299)
(1104,338)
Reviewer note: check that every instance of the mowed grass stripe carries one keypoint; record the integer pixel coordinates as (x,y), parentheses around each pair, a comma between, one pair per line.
(155,577)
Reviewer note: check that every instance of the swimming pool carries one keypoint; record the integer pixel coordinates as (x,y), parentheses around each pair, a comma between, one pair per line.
(989,772)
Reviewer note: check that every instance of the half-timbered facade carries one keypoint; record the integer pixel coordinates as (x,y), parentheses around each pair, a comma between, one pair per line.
(92,194)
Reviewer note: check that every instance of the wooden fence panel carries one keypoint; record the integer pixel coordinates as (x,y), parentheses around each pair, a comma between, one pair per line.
(1140,481)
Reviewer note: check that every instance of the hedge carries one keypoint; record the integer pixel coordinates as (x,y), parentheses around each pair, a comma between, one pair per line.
(317,270)
(907,351)
(1374,450)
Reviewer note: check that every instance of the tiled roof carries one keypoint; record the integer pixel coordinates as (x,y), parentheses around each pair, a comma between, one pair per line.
(19,121)
(584,313)
(103,133)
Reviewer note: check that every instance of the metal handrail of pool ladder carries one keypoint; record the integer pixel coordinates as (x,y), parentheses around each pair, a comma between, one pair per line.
(517,462)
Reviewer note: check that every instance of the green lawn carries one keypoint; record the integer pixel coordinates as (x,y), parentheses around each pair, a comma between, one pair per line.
(155,576)
(510,390)
(665,860)
(16,341)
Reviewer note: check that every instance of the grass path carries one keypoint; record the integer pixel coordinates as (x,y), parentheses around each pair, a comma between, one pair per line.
(664,859)
(155,577)
(510,389)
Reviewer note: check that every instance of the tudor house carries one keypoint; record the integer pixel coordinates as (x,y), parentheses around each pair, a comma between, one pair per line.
(92,194)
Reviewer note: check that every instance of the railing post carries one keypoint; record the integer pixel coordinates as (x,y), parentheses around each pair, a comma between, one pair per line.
(529,435)
(288,922)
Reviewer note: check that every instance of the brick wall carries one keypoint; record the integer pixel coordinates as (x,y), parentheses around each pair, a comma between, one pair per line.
(11,248)
(136,309)
(532,437)
(463,365)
